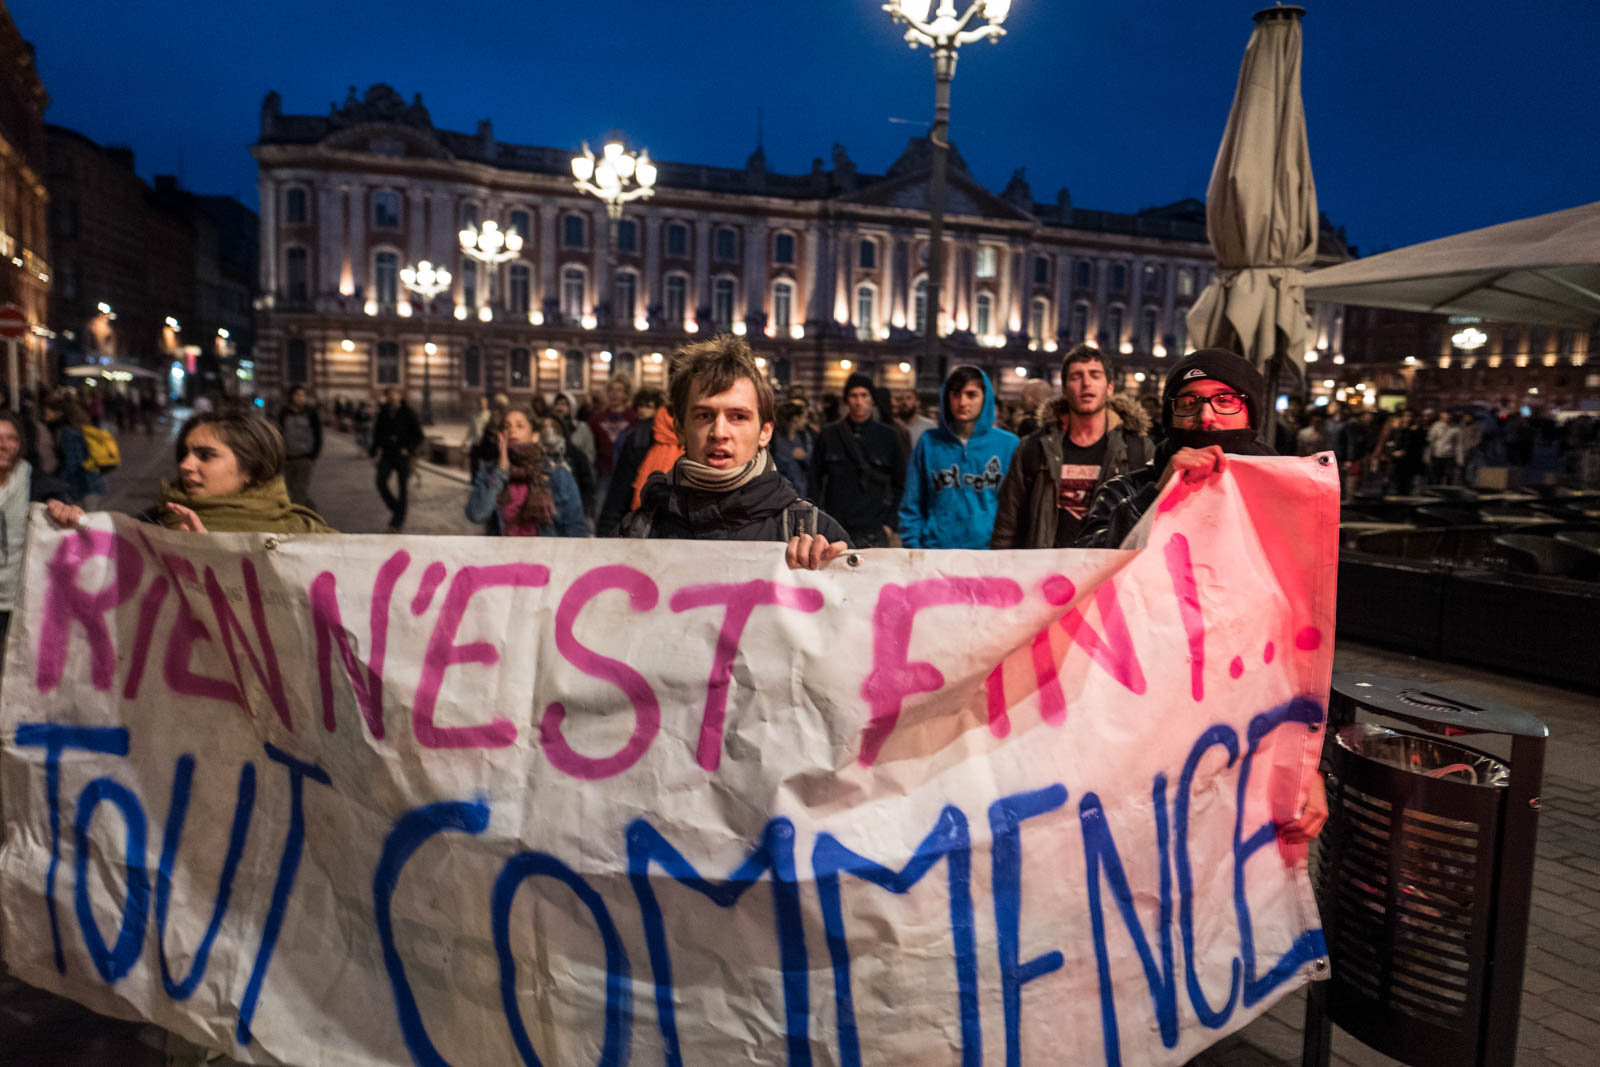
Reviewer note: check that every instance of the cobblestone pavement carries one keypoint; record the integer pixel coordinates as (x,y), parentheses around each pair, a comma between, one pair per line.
(1561,1001)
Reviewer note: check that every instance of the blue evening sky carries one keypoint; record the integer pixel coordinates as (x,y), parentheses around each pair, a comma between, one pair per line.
(1426,117)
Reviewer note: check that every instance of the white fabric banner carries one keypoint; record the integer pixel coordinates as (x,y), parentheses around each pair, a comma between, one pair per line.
(362,800)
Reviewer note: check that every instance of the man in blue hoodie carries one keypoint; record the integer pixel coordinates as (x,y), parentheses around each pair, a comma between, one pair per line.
(953,486)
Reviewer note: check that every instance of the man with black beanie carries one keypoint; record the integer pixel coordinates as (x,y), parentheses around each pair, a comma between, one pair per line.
(858,468)
(1212,404)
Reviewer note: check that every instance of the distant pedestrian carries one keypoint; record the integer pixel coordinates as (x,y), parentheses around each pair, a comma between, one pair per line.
(396,437)
(609,423)
(952,491)
(525,493)
(908,413)
(66,420)
(301,427)
(858,468)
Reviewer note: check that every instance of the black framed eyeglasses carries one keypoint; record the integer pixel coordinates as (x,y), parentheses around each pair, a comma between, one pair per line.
(1189,404)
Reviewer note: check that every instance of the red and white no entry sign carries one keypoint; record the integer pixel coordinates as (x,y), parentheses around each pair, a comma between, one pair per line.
(13,322)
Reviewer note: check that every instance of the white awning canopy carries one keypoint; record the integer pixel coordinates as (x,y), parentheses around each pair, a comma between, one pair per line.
(113,371)
(1544,270)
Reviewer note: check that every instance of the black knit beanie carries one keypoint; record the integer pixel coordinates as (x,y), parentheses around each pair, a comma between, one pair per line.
(1219,364)
(857,381)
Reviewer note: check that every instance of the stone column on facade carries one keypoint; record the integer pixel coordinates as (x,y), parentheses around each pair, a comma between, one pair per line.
(417,229)
(817,289)
(604,290)
(702,267)
(329,268)
(1169,297)
(1063,294)
(549,285)
(650,231)
(755,270)
(267,189)
(1102,283)
(356,205)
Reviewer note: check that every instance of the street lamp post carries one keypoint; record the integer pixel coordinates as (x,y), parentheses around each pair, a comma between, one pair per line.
(944,33)
(617,178)
(427,281)
(490,246)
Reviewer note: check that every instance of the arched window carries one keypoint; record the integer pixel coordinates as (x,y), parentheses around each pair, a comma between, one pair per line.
(986,261)
(1085,274)
(783,248)
(1114,315)
(521,369)
(388,363)
(676,299)
(866,306)
(1041,270)
(727,244)
(469,282)
(867,258)
(294,204)
(1147,329)
(983,316)
(385,210)
(627,235)
(1185,282)
(386,278)
(522,223)
(783,305)
(1079,327)
(574,282)
(722,297)
(518,288)
(622,365)
(572,371)
(572,231)
(296,284)
(625,299)
(1038,318)
(677,239)
(1119,277)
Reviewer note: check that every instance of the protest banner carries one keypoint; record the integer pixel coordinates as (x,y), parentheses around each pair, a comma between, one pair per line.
(363,800)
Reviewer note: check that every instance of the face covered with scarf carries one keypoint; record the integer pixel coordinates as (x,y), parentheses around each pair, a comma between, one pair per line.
(524,462)
(1213,397)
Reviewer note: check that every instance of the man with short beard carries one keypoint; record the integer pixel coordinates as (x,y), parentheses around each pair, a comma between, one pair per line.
(1057,469)
(908,414)
(1212,405)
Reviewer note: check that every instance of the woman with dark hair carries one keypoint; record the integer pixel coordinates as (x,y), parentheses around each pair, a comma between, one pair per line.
(230,480)
(525,494)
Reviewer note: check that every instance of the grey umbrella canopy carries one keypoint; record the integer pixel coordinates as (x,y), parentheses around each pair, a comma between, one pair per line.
(1543,270)
(1261,206)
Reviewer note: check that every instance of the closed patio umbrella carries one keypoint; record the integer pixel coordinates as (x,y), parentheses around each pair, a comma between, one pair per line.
(1261,209)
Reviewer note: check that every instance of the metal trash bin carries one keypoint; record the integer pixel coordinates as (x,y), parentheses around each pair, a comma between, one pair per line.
(1424,875)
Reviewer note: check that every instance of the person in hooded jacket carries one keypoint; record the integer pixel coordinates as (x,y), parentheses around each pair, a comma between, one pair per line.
(953,485)
(1212,406)
(725,487)
(525,493)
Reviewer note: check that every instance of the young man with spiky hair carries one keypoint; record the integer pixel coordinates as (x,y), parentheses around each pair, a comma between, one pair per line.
(726,486)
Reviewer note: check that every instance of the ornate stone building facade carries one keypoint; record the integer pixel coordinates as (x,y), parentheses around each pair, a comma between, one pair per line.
(25,273)
(824,272)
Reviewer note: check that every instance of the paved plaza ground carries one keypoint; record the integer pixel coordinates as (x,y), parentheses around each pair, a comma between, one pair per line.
(1560,1010)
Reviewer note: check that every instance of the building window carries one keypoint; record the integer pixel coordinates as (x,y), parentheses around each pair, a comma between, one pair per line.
(677,239)
(627,235)
(1152,280)
(1085,274)
(986,262)
(388,363)
(727,244)
(919,305)
(1186,282)
(386,278)
(983,315)
(385,210)
(1147,329)
(1180,330)
(572,371)
(866,298)
(1038,314)
(677,298)
(1114,325)
(521,366)
(295,369)
(294,205)
(722,291)
(868,256)
(518,288)
(472,368)
(469,282)
(1119,277)
(622,365)
(625,298)
(469,215)
(783,248)
(295,281)
(783,305)
(1079,328)
(572,231)
(1041,270)
(572,292)
(520,223)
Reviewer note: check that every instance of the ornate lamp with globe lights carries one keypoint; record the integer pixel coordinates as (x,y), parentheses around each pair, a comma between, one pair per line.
(490,246)
(427,281)
(617,177)
(943,32)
